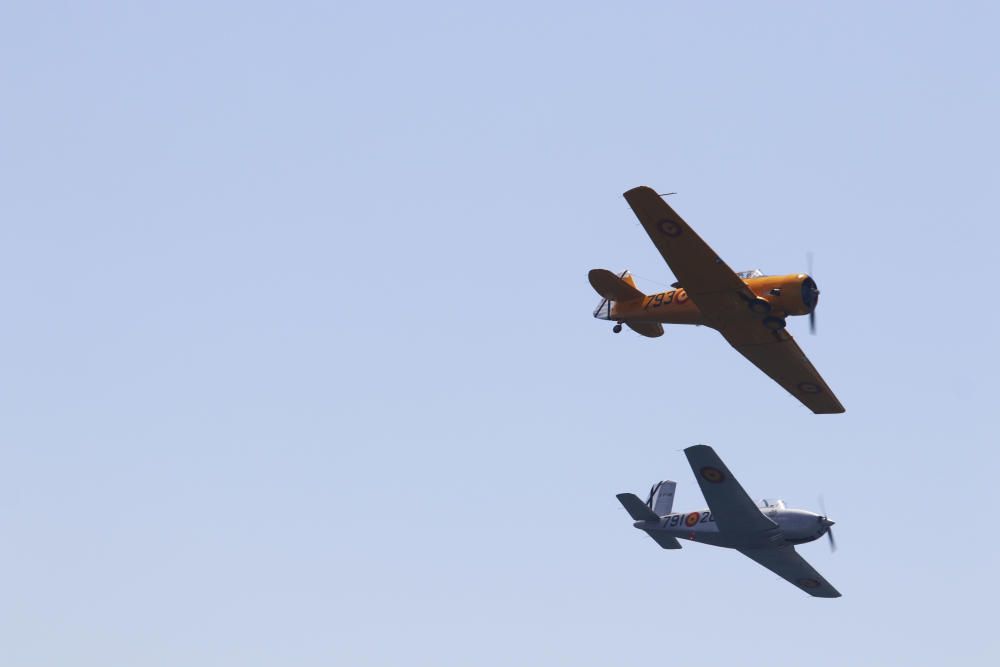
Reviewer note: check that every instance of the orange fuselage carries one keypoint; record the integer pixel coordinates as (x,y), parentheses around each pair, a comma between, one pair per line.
(784,293)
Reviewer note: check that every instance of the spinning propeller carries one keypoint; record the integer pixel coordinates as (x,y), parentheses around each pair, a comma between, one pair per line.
(828,524)
(810,293)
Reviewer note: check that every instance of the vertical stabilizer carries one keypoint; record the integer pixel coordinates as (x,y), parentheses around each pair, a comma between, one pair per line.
(661,497)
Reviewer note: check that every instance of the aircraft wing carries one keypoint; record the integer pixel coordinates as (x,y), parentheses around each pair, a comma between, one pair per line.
(698,269)
(779,356)
(732,508)
(793,568)
(722,298)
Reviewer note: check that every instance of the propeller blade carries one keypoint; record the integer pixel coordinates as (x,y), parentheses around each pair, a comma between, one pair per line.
(812,311)
(829,524)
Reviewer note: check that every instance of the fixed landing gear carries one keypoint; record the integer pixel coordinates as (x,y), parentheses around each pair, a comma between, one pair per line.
(617,328)
(774,323)
(759,306)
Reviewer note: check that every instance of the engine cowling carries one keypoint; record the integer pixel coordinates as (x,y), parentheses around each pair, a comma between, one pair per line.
(794,294)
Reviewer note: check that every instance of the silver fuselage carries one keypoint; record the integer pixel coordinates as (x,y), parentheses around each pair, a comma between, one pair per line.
(793,527)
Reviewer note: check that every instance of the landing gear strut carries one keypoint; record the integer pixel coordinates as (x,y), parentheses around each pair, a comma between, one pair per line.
(774,323)
(617,328)
(759,306)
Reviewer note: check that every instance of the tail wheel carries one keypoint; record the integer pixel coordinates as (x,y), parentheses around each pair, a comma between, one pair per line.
(617,328)
(774,323)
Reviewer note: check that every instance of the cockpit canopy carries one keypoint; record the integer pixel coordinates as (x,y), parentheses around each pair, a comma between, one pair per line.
(771,503)
(752,273)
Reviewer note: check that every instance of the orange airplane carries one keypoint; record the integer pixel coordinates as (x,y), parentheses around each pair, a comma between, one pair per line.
(748,308)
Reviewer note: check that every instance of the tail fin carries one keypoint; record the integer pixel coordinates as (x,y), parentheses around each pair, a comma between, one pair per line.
(611,287)
(661,497)
(615,288)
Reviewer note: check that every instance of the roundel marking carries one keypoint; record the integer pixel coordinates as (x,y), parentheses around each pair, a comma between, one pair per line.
(713,475)
(691,519)
(669,227)
(808,583)
(809,388)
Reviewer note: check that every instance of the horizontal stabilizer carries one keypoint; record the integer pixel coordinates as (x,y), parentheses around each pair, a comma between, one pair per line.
(664,540)
(636,509)
(647,329)
(611,287)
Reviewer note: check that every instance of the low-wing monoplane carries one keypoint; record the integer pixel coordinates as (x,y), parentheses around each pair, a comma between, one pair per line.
(747,308)
(766,532)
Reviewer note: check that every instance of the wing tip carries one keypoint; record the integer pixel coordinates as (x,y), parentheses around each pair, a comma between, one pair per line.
(832,593)
(640,190)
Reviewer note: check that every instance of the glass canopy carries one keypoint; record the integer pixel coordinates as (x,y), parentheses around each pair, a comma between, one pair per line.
(752,273)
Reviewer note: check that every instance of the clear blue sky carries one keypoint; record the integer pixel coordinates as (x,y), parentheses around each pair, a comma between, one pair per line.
(298,362)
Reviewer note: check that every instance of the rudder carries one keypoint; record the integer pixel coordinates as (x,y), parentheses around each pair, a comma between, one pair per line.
(661,497)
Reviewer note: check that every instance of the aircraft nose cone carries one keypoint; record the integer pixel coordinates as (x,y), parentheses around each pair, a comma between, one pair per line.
(810,294)
(827,522)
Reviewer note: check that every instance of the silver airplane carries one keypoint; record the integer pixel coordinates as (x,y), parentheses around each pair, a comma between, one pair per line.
(765,532)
